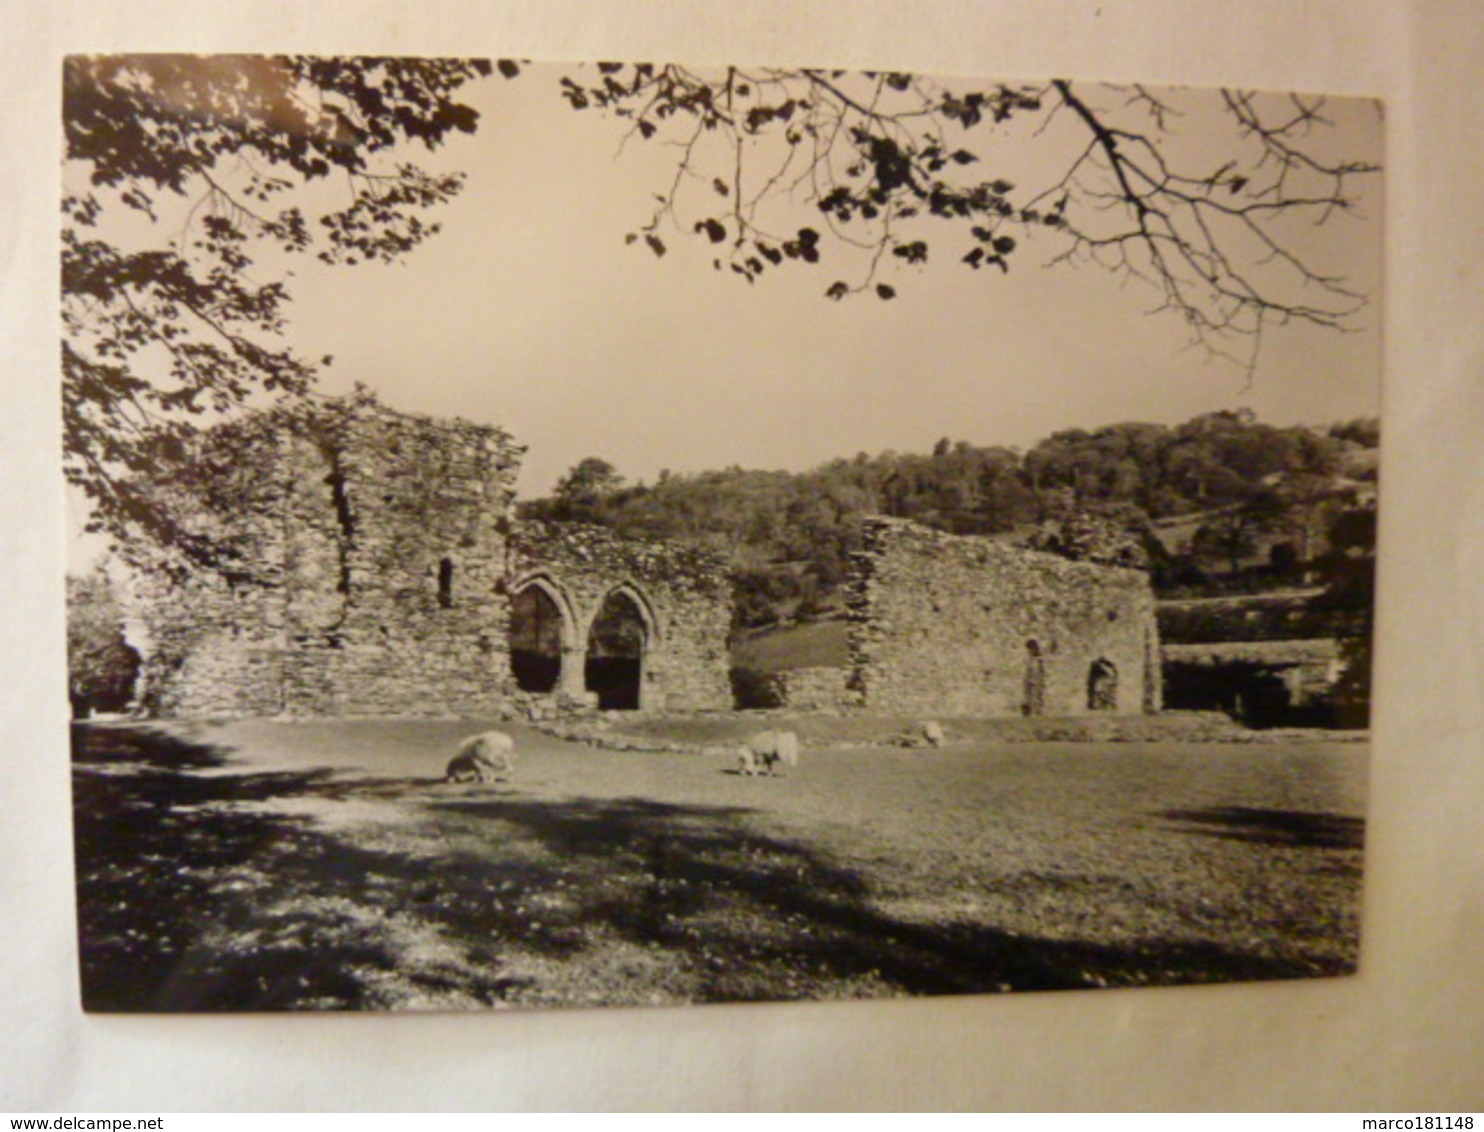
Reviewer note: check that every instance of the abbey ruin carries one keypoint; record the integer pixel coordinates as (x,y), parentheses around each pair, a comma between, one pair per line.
(381,571)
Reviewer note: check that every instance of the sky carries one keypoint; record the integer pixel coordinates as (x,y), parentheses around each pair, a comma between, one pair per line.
(530,311)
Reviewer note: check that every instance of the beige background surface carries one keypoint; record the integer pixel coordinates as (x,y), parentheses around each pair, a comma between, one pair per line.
(1407,1033)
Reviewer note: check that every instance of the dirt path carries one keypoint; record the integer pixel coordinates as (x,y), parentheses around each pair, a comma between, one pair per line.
(262,865)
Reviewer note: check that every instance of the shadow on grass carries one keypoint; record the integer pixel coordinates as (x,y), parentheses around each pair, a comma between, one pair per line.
(196,893)
(153,849)
(1293,828)
(776,920)
(102,746)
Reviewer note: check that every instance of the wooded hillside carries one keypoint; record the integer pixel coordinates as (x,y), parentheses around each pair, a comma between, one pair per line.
(1222,503)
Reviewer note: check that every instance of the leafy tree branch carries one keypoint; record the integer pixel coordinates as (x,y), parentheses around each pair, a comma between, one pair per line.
(166,323)
(900,166)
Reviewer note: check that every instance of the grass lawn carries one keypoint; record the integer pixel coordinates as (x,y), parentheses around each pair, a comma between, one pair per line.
(263,865)
(817,644)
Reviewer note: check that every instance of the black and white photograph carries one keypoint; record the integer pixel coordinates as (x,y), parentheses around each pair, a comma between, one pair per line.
(566,535)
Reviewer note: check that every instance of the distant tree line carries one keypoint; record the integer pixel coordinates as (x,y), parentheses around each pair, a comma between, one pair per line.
(1221,503)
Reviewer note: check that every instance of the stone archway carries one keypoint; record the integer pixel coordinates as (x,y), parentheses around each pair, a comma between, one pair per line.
(543,652)
(1102,686)
(617,645)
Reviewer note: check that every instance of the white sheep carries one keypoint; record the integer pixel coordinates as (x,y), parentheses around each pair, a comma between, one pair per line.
(766,749)
(489,757)
(932,732)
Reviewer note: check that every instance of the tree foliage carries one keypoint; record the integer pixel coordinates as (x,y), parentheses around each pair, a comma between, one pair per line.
(193,182)
(584,486)
(902,168)
(1348,569)
(101,664)
(1111,535)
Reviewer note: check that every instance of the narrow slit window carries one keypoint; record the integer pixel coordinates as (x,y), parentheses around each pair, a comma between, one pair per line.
(445,583)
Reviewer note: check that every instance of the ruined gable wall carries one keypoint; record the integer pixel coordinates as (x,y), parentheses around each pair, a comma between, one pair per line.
(941,622)
(686,591)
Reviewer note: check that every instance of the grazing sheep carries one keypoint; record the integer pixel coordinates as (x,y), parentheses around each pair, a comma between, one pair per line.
(932,731)
(766,750)
(489,757)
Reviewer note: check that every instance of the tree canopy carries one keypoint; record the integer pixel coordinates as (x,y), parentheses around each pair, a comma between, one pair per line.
(587,482)
(902,167)
(180,314)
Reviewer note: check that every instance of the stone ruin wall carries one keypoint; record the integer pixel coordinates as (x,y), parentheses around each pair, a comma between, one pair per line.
(383,563)
(683,594)
(945,623)
(397,545)
(347,518)
(378,573)
(816,689)
(213,645)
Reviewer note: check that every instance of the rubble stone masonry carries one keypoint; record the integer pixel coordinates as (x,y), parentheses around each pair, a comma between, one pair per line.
(379,568)
(375,577)
(970,626)
(372,542)
(682,595)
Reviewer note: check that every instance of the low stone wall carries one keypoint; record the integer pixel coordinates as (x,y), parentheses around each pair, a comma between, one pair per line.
(1264,683)
(816,689)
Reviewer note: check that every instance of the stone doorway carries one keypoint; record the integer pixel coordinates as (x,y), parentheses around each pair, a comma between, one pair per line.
(1035,680)
(615,654)
(1102,686)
